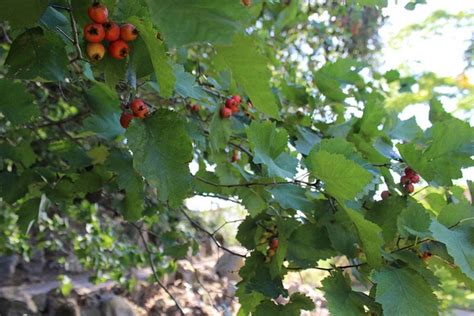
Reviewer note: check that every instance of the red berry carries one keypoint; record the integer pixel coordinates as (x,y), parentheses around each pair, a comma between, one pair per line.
(139,108)
(118,49)
(230,103)
(271,252)
(195,108)
(125,119)
(112,31)
(410,188)
(385,195)
(415,178)
(237,98)
(225,112)
(98,13)
(425,255)
(409,171)
(94,33)
(235,155)
(128,32)
(95,51)
(405,180)
(274,243)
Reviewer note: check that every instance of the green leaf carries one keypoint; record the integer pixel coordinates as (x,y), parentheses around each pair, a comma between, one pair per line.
(183,22)
(140,63)
(449,147)
(297,303)
(186,85)
(269,143)
(459,244)
(343,178)
(121,163)
(162,151)
(28,213)
(385,214)
(36,54)
(308,244)
(219,132)
(306,139)
(16,103)
(370,235)
(114,70)
(250,70)
(340,298)
(105,105)
(256,278)
(161,64)
(254,199)
(13,187)
(21,152)
(414,220)
(456,214)
(292,196)
(22,13)
(331,76)
(403,292)
(405,130)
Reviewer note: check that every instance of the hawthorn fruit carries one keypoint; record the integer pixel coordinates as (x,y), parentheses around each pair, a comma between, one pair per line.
(95,51)
(225,112)
(274,242)
(94,33)
(410,188)
(119,49)
(112,31)
(235,156)
(125,119)
(128,32)
(385,195)
(237,99)
(139,108)
(98,13)
(195,108)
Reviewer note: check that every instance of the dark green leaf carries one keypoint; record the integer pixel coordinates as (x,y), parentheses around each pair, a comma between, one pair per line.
(185,22)
(37,54)
(22,13)
(161,64)
(403,292)
(242,58)
(162,151)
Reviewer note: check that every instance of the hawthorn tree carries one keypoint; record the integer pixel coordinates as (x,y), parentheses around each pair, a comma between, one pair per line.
(274,104)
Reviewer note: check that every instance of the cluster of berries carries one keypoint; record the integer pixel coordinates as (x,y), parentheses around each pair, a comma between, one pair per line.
(409,179)
(102,29)
(232,106)
(139,110)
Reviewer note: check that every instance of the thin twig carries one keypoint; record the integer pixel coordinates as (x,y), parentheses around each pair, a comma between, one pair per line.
(64,34)
(153,269)
(226,223)
(75,33)
(216,196)
(251,184)
(213,238)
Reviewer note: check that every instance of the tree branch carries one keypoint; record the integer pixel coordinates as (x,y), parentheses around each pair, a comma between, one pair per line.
(153,269)
(211,235)
(251,184)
